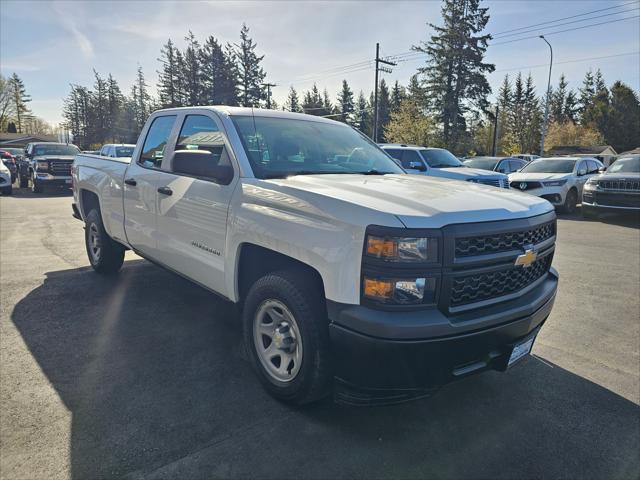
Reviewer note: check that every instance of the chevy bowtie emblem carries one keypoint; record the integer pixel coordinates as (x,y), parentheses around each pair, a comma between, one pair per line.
(523,185)
(527,258)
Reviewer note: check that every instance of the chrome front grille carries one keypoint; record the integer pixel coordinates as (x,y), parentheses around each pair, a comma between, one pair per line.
(494,182)
(503,242)
(60,168)
(625,185)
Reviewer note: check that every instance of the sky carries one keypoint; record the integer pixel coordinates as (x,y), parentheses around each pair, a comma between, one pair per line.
(52,44)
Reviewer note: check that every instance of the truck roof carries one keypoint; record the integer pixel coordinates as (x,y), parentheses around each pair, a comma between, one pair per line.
(258,112)
(406,146)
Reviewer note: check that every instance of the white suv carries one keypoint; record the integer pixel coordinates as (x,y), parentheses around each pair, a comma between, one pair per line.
(558,179)
(438,162)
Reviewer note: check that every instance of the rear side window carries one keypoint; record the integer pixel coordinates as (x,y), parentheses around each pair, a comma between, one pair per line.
(200,132)
(397,154)
(156,141)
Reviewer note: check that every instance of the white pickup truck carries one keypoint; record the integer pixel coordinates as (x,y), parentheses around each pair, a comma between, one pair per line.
(352,276)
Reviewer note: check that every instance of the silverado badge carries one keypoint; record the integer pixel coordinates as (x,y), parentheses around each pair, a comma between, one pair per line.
(527,258)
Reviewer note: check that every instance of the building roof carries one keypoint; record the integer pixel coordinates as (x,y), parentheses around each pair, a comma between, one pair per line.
(582,150)
(635,151)
(21,139)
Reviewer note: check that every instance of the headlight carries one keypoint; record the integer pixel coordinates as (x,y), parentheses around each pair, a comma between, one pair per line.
(406,291)
(591,184)
(402,249)
(554,183)
(42,165)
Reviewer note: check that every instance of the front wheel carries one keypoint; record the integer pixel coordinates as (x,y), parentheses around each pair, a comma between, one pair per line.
(35,185)
(105,255)
(570,202)
(286,335)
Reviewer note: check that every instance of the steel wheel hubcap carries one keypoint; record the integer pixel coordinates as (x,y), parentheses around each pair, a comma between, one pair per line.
(277,340)
(94,243)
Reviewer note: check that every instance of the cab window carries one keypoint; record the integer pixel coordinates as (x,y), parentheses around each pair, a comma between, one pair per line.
(200,132)
(156,141)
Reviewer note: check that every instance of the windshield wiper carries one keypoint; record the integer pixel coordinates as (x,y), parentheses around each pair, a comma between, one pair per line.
(373,171)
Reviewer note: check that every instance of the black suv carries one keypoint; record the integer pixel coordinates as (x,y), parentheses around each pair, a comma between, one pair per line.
(49,165)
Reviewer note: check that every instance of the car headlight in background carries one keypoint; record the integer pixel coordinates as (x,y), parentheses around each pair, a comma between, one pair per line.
(411,291)
(554,183)
(591,184)
(42,165)
(402,249)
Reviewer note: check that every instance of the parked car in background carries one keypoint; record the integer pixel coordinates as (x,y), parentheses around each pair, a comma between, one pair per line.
(353,277)
(496,164)
(114,150)
(558,179)
(617,190)
(438,162)
(6,187)
(49,165)
(526,157)
(10,162)
(91,152)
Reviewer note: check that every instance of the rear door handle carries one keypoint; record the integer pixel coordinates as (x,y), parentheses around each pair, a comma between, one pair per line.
(165,191)
(131,181)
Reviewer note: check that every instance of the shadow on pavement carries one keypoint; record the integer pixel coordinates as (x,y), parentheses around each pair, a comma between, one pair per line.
(27,193)
(627,219)
(153,372)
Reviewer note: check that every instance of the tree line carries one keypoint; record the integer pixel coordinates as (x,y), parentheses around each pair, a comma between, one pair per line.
(445,103)
(15,115)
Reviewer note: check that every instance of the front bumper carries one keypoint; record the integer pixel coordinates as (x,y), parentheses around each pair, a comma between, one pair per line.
(48,180)
(384,357)
(607,200)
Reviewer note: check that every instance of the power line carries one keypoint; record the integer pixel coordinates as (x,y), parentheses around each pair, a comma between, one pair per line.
(563,18)
(567,61)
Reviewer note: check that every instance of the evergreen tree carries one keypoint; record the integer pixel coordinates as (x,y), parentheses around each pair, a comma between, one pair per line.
(250,74)
(76,110)
(168,76)
(455,72)
(191,71)
(326,104)
(11,128)
(597,115)
(218,75)
(141,100)
(532,113)
(293,102)
(19,100)
(623,132)
(416,92)
(598,82)
(587,92)
(558,100)
(505,141)
(114,105)
(384,109)
(397,96)
(180,81)
(312,102)
(346,103)
(99,110)
(363,114)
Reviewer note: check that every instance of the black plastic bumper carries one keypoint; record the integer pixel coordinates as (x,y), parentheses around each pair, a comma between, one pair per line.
(54,182)
(377,370)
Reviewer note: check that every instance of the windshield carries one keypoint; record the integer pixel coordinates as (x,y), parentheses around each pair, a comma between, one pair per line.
(625,165)
(550,165)
(279,147)
(482,163)
(14,151)
(124,151)
(55,150)
(439,158)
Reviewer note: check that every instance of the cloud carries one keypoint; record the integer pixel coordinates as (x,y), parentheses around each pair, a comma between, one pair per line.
(69,23)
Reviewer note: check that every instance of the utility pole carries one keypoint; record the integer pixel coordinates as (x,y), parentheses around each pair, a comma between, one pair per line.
(546,108)
(269,85)
(375,90)
(495,131)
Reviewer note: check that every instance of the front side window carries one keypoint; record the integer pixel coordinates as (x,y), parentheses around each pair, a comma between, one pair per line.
(200,132)
(279,147)
(440,158)
(156,141)
(124,151)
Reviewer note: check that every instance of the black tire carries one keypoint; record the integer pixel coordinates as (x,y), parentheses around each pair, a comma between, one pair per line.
(7,190)
(24,182)
(298,292)
(105,255)
(590,213)
(570,202)
(36,187)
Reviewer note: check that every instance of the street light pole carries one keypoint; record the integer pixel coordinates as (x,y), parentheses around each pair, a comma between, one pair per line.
(546,108)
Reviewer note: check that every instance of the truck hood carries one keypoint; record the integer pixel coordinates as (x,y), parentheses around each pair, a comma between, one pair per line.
(464,173)
(524,176)
(416,201)
(55,157)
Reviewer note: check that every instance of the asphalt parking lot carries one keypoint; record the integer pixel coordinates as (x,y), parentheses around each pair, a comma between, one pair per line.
(144,376)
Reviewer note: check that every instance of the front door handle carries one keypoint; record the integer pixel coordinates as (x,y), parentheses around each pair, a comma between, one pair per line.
(165,191)
(131,181)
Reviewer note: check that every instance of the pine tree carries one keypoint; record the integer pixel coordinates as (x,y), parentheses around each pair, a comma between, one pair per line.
(417,93)
(99,111)
(384,110)
(76,112)
(250,74)
(168,76)
(598,82)
(218,75)
(312,102)
(293,102)
(114,105)
(363,114)
(623,132)
(455,71)
(141,100)
(180,81)
(397,96)
(532,114)
(587,92)
(558,100)
(346,103)
(326,104)
(191,70)
(505,141)
(19,100)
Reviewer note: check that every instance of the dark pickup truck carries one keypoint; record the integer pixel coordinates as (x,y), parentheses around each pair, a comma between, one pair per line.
(48,165)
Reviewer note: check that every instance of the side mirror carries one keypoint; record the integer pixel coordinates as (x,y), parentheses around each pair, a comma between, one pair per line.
(202,164)
(602,169)
(417,166)
(582,172)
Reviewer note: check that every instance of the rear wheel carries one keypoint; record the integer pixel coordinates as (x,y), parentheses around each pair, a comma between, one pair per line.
(570,202)
(286,335)
(105,255)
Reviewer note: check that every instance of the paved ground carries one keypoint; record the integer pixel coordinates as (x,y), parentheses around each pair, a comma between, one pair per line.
(143,376)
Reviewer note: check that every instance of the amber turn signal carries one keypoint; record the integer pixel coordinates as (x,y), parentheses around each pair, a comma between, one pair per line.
(378,289)
(381,247)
